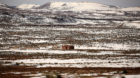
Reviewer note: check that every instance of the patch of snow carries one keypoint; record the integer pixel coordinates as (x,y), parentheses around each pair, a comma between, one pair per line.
(118,76)
(38,74)
(39,77)
(38,41)
(91,74)
(78,63)
(27,6)
(67,29)
(65,52)
(107,46)
(132,76)
(133,24)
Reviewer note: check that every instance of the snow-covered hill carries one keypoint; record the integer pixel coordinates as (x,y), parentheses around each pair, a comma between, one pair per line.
(69,13)
(27,6)
(4,6)
(131,9)
(76,6)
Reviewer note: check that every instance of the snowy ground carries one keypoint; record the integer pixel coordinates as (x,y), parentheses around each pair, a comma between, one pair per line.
(107,38)
(94,47)
(78,63)
(107,41)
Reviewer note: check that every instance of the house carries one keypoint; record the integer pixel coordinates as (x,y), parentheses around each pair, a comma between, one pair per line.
(67,47)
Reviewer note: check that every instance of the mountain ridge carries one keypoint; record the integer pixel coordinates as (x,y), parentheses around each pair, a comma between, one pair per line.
(27,6)
(75,6)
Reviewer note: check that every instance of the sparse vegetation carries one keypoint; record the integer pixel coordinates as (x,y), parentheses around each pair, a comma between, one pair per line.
(69,44)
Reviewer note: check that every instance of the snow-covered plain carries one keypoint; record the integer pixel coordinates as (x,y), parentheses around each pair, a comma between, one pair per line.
(102,35)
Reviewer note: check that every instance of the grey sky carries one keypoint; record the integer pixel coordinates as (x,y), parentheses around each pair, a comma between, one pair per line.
(121,3)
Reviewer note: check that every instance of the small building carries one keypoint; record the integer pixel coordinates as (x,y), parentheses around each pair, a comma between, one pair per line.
(67,47)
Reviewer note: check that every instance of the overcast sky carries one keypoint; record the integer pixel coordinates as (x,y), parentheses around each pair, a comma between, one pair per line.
(121,3)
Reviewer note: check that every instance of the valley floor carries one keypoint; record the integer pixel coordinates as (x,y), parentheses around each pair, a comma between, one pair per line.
(99,52)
